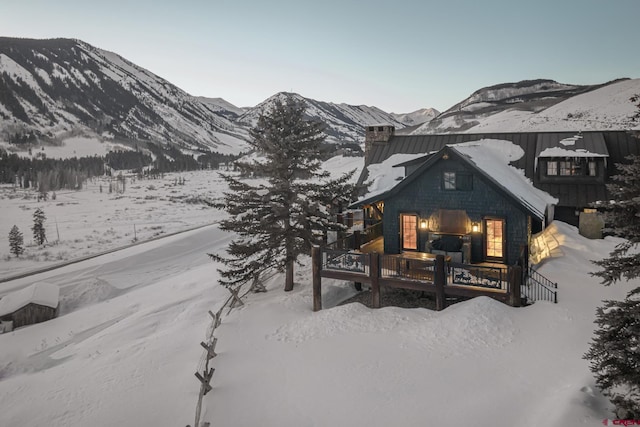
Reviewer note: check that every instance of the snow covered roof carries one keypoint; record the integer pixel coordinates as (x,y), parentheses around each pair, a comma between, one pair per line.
(40,293)
(386,175)
(590,144)
(492,158)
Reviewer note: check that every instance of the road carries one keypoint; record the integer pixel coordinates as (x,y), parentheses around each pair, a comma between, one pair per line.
(137,266)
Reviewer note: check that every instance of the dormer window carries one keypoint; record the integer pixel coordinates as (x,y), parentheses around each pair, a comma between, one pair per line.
(571,167)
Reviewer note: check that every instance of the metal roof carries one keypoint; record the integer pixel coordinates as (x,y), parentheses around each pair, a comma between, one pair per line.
(617,145)
(547,144)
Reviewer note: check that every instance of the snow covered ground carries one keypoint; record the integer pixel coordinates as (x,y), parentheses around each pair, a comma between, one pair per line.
(126,344)
(81,223)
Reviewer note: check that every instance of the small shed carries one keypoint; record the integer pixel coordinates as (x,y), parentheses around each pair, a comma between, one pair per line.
(34,304)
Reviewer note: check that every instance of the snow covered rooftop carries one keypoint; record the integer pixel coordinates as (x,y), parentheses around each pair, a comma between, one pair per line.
(492,156)
(386,175)
(41,293)
(590,144)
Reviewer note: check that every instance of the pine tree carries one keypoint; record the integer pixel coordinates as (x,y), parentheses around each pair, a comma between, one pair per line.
(279,220)
(38,227)
(622,218)
(16,241)
(614,354)
(614,351)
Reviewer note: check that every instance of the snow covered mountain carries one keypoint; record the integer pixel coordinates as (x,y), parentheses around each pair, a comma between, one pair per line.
(345,123)
(540,105)
(54,89)
(418,117)
(50,89)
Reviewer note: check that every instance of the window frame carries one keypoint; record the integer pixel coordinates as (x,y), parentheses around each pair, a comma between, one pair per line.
(457,181)
(449,180)
(415,230)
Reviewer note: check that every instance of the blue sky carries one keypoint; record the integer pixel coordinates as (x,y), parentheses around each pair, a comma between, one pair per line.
(399,56)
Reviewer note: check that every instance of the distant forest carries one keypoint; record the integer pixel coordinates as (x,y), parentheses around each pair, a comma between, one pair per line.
(47,174)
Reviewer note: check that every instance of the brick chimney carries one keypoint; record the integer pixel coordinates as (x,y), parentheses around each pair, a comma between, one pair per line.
(376,133)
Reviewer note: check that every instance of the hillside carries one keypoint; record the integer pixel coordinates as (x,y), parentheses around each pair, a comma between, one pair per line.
(56,89)
(50,89)
(540,105)
(345,123)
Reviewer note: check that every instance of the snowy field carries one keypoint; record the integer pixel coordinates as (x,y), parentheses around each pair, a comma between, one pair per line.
(81,223)
(126,344)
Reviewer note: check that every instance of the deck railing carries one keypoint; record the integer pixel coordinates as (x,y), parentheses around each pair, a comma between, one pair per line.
(353,262)
(477,275)
(442,278)
(357,238)
(393,266)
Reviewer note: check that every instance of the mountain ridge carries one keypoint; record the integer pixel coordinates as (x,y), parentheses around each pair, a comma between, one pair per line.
(53,88)
(539,105)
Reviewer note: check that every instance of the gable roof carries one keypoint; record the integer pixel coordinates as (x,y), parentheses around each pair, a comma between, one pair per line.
(618,145)
(40,293)
(489,158)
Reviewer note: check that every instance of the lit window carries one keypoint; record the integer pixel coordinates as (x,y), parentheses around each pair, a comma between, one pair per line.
(593,168)
(552,168)
(409,231)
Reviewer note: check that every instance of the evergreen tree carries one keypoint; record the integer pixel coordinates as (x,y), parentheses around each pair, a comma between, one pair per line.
(622,218)
(613,354)
(38,227)
(16,241)
(279,220)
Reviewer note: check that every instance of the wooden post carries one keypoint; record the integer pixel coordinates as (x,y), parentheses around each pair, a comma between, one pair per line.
(374,273)
(357,238)
(316,267)
(211,353)
(515,281)
(439,281)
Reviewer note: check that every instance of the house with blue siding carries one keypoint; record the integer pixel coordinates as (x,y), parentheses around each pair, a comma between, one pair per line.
(479,198)
(464,201)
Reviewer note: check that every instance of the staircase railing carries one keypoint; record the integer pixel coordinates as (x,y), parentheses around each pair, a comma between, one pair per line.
(536,287)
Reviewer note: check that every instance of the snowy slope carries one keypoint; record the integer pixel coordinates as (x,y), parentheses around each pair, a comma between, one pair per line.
(418,117)
(126,346)
(345,123)
(53,88)
(540,106)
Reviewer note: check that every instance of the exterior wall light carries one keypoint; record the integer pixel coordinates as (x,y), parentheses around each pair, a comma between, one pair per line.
(423,224)
(475,227)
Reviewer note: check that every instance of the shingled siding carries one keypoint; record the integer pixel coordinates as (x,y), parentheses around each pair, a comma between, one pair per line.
(425,196)
(573,195)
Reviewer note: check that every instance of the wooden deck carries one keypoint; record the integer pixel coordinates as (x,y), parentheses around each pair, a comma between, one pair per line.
(376,245)
(419,271)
